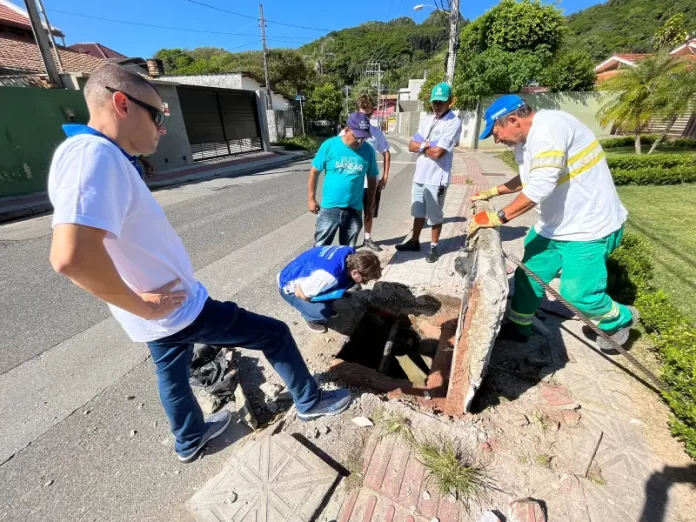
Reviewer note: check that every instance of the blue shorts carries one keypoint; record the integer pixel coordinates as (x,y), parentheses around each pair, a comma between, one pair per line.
(426,204)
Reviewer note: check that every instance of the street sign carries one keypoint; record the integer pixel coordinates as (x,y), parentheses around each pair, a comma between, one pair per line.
(300,98)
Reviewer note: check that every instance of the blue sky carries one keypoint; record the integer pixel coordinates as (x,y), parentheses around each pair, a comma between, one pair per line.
(238,33)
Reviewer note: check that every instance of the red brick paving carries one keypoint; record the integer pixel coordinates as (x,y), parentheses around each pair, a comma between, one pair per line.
(557,395)
(393,488)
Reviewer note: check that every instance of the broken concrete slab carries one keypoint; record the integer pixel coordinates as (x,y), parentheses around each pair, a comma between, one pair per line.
(274,478)
(480,318)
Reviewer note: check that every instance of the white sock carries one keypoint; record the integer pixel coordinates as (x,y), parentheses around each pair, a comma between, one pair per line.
(434,245)
(367,235)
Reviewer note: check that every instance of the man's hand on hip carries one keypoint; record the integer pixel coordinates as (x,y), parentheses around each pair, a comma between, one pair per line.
(161,302)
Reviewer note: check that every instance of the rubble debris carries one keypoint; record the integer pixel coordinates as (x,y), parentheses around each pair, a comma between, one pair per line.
(209,403)
(212,370)
(49,483)
(271,390)
(426,495)
(519,419)
(272,407)
(571,418)
(362,422)
(244,410)
(130,397)
(133,433)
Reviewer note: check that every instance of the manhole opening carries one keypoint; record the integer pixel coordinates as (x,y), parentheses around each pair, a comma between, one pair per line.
(411,357)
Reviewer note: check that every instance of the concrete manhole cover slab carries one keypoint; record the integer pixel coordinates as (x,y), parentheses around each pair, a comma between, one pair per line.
(273,479)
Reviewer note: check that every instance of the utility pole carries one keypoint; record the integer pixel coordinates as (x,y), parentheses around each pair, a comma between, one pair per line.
(453,40)
(262,23)
(50,35)
(43,43)
(374,69)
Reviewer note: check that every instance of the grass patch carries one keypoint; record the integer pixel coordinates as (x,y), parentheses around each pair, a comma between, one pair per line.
(452,469)
(666,217)
(354,465)
(543,460)
(508,157)
(542,419)
(631,151)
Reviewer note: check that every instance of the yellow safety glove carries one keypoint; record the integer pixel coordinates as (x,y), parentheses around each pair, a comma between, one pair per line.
(484,220)
(485,195)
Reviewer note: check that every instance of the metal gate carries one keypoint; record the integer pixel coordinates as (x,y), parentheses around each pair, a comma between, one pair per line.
(219,122)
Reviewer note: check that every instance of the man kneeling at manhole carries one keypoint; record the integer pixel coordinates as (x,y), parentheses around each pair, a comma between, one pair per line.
(315,279)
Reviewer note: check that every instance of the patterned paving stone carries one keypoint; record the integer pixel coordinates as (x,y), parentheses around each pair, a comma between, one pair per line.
(396,488)
(273,479)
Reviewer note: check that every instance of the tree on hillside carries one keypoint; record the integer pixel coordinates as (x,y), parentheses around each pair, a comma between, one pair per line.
(672,34)
(675,94)
(635,94)
(325,103)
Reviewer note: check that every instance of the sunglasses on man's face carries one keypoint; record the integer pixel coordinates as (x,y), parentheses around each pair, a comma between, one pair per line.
(157,115)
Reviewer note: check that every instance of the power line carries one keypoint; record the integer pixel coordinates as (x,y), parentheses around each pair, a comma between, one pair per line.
(129,22)
(255,18)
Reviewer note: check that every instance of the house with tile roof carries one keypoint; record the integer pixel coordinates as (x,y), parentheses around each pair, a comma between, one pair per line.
(19,53)
(97,50)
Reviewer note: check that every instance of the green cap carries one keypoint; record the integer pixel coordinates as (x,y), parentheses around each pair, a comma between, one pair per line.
(441,92)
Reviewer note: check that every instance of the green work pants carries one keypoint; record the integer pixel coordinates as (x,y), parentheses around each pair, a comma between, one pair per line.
(583,269)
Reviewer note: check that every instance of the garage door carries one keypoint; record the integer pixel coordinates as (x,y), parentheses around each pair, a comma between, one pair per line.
(219,122)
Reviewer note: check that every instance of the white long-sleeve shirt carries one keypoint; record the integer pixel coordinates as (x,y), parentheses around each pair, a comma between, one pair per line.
(564,171)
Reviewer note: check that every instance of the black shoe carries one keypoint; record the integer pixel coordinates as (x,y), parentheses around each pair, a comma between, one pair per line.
(315,327)
(409,246)
(369,243)
(433,255)
(509,332)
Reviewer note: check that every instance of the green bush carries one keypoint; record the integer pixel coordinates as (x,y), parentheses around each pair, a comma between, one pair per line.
(299,143)
(664,161)
(646,139)
(655,176)
(669,330)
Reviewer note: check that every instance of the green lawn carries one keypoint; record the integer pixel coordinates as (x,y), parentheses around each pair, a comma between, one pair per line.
(666,216)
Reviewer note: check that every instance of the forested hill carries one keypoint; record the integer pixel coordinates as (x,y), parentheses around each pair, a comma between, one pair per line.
(625,26)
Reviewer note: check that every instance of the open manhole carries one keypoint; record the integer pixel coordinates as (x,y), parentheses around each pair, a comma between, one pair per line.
(403,353)
(407,356)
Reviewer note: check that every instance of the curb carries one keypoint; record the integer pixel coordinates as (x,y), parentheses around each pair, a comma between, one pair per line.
(16,211)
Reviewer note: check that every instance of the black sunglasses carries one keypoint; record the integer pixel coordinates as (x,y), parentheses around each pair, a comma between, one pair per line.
(157,115)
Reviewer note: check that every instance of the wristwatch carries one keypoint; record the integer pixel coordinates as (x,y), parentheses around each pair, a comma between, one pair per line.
(501,216)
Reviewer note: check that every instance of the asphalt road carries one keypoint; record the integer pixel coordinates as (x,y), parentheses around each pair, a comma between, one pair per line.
(67,447)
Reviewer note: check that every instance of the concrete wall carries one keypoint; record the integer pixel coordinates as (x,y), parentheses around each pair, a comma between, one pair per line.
(174,149)
(582,105)
(30,131)
(223,81)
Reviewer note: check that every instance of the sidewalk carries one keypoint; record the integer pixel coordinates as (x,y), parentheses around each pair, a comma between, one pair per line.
(537,420)
(12,208)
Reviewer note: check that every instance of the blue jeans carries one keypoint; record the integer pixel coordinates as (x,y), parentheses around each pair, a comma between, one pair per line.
(347,221)
(224,324)
(313,312)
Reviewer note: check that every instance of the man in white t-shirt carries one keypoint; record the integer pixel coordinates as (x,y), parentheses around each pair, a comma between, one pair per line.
(434,142)
(563,175)
(381,146)
(111,238)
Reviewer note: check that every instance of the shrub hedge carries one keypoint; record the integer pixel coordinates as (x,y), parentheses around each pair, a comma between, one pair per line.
(663,161)
(299,143)
(646,139)
(669,330)
(654,176)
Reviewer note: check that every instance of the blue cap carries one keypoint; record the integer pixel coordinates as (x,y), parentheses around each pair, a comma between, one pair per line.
(359,124)
(500,107)
(441,92)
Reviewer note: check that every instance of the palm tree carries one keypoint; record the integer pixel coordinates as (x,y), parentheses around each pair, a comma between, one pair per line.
(634,93)
(677,92)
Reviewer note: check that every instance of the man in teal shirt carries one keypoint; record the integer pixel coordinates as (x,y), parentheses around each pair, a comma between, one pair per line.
(347,160)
